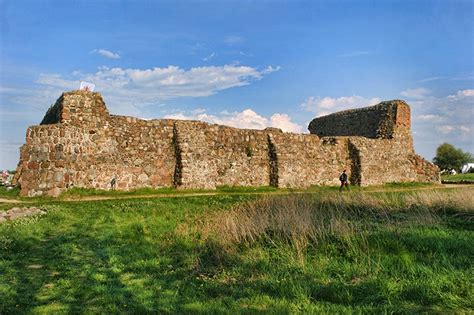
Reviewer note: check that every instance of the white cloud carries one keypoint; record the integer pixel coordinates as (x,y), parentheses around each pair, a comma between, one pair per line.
(417,93)
(444,119)
(326,105)
(465,129)
(430,79)
(209,57)
(445,129)
(247,119)
(106,53)
(271,69)
(430,117)
(233,40)
(461,94)
(245,54)
(463,78)
(131,88)
(283,121)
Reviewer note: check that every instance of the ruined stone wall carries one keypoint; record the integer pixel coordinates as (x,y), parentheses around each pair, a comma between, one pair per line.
(57,157)
(80,145)
(304,160)
(382,161)
(91,147)
(42,159)
(80,108)
(380,121)
(144,152)
(214,155)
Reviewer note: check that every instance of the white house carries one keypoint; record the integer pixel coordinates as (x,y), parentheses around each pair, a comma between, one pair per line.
(466,168)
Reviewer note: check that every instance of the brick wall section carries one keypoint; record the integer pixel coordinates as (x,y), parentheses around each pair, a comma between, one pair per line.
(79,108)
(379,121)
(79,144)
(144,152)
(305,160)
(379,161)
(91,147)
(214,155)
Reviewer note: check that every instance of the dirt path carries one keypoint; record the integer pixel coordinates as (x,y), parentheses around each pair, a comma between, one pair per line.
(200,194)
(5,200)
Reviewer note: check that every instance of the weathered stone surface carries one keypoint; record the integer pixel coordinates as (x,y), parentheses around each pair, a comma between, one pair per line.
(379,121)
(17,212)
(80,144)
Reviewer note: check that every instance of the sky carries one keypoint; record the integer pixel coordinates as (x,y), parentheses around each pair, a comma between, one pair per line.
(248,64)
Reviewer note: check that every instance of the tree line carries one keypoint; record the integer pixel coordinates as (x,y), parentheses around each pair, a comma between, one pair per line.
(448,157)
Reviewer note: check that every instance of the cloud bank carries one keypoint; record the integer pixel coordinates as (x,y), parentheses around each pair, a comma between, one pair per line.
(417,93)
(247,119)
(162,83)
(128,89)
(326,105)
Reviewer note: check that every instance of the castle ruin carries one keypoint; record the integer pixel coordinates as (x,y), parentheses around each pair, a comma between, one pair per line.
(80,144)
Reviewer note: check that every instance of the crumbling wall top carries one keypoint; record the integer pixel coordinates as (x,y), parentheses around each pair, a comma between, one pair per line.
(382,121)
(77,108)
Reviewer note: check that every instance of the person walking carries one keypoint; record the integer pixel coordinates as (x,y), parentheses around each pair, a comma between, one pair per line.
(113,182)
(343,179)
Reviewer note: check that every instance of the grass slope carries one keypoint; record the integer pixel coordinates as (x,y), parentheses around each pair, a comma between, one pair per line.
(172,255)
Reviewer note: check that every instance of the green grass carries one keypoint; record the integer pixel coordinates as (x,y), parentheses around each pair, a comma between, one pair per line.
(406,185)
(82,192)
(77,192)
(458,177)
(247,189)
(159,256)
(6,193)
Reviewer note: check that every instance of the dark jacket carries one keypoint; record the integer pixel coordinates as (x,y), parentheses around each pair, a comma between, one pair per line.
(343,177)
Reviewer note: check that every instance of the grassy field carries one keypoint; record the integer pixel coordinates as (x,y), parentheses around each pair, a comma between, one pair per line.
(327,252)
(77,193)
(469,177)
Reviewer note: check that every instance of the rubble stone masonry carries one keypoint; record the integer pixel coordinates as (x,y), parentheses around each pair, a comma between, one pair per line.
(78,143)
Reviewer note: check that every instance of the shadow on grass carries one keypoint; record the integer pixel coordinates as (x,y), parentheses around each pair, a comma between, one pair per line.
(127,257)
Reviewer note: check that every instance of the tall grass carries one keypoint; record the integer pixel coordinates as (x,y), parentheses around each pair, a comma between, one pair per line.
(303,219)
(375,253)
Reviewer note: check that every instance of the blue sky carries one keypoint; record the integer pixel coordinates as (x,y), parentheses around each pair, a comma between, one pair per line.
(249,64)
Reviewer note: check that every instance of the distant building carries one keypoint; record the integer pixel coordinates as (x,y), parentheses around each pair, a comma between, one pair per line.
(467,168)
(5,178)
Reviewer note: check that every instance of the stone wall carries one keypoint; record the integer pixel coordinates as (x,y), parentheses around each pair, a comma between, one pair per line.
(380,121)
(379,161)
(79,108)
(304,160)
(213,155)
(88,147)
(79,144)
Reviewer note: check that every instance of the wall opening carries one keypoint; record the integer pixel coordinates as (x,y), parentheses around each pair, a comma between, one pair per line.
(273,163)
(178,168)
(354,155)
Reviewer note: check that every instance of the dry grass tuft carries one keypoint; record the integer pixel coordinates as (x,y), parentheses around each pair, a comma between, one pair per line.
(456,200)
(301,219)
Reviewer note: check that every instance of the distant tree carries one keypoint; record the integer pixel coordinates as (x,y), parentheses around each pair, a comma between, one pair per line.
(448,157)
